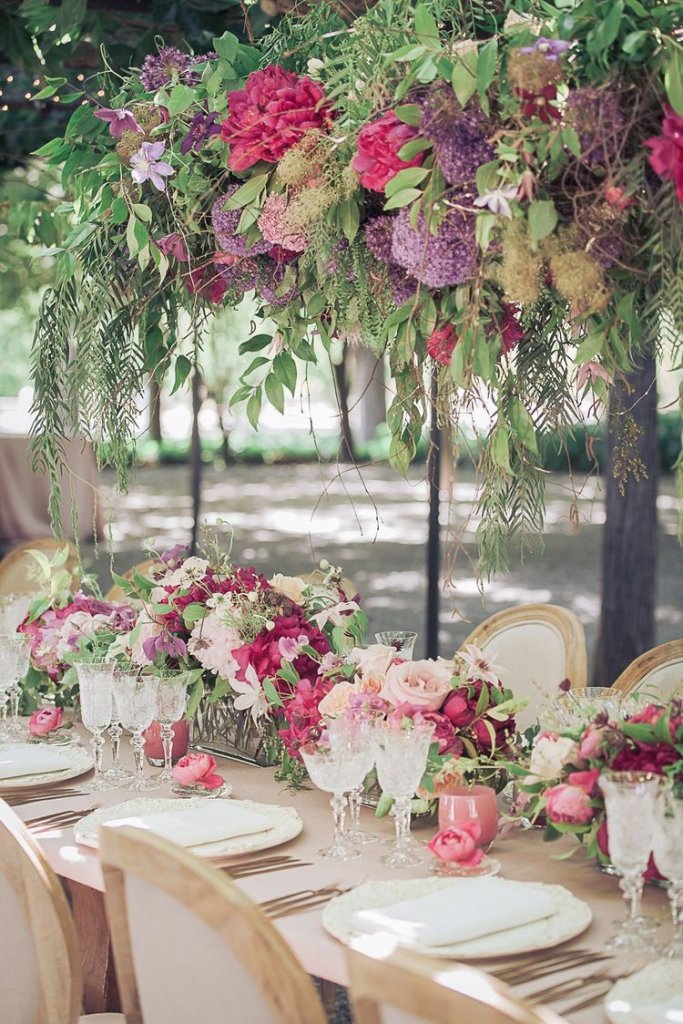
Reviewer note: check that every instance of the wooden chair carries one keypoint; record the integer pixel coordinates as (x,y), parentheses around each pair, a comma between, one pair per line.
(657,674)
(40,972)
(389,986)
(189,946)
(115,593)
(18,567)
(537,646)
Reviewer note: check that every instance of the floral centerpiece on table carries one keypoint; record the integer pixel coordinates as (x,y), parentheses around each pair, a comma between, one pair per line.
(253,644)
(473,714)
(560,779)
(490,198)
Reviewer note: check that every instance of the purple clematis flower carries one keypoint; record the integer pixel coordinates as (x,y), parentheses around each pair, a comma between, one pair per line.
(173,245)
(119,121)
(147,165)
(164,643)
(202,127)
(550,48)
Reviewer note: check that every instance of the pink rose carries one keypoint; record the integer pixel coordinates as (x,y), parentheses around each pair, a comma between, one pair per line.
(45,721)
(650,714)
(377,160)
(568,804)
(423,684)
(459,844)
(591,742)
(197,770)
(584,780)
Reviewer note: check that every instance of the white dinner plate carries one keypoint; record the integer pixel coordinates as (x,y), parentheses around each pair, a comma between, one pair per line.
(651,996)
(81,761)
(287,824)
(571,917)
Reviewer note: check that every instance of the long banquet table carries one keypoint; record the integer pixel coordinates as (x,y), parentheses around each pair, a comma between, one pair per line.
(523,856)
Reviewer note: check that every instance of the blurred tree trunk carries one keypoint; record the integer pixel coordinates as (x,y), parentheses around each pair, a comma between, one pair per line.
(341,382)
(629,553)
(368,394)
(155,410)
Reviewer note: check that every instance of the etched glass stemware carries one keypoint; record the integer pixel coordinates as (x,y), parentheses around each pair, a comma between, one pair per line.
(18,648)
(668,854)
(171,704)
(402,640)
(630,799)
(95,693)
(401,756)
(357,731)
(336,769)
(136,703)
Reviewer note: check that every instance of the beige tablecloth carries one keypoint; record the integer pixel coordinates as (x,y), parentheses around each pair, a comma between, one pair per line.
(24,494)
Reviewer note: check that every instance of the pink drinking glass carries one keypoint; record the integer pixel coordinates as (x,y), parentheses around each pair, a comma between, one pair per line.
(470,803)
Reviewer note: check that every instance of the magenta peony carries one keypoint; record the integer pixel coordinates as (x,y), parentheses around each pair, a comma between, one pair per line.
(458,844)
(568,804)
(377,160)
(271,114)
(44,721)
(666,157)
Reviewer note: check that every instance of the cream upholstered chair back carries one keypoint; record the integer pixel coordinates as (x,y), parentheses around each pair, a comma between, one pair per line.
(536,647)
(40,981)
(389,986)
(657,674)
(116,592)
(189,946)
(18,567)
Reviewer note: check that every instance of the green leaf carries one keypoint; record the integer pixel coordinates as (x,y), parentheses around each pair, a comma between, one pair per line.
(275,392)
(606,31)
(82,122)
(255,344)
(142,212)
(571,140)
(349,218)
(590,347)
(523,425)
(180,99)
(54,84)
(464,78)
(274,698)
(542,220)
(247,193)
(673,79)
(254,408)
(79,235)
(182,370)
(486,65)
(412,148)
(119,210)
(407,178)
(284,369)
(500,448)
(634,40)
(482,702)
(193,613)
(408,52)
(409,113)
(426,28)
(485,224)
(408,195)
(226,46)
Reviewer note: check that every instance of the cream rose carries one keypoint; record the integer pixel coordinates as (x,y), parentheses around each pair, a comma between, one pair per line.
(550,754)
(338,700)
(373,663)
(289,586)
(424,684)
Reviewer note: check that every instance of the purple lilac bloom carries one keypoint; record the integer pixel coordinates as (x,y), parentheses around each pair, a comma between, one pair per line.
(158,69)
(202,127)
(225,229)
(270,284)
(119,121)
(378,232)
(147,165)
(403,286)
(550,48)
(595,115)
(458,134)
(123,618)
(447,258)
(174,245)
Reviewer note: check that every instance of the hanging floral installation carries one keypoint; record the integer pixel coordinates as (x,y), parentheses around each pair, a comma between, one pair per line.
(490,197)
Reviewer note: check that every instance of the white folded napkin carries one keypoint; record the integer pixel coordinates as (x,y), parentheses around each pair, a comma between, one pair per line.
(24,759)
(467,908)
(216,820)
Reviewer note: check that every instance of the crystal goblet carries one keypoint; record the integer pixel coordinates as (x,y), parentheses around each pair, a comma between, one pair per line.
(136,702)
(171,704)
(355,730)
(95,693)
(401,756)
(630,806)
(336,770)
(402,641)
(667,849)
(16,662)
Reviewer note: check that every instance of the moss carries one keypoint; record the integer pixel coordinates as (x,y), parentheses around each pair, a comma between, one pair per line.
(533,71)
(520,270)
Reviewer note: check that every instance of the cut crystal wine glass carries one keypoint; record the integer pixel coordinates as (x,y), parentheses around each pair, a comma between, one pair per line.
(402,641)
(95,693)
(630,799)
(401,756)
(356,730)
(136,703)
(18,648)
(336,769)
(171,704)
(668,855)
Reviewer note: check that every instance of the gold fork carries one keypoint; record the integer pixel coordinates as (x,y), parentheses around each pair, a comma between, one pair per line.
(61,819)
(517,974)
(552,993)
(300,900)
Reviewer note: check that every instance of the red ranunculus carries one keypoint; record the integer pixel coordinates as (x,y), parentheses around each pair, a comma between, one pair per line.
(666,157)
(271,114)
(377,160)
(440,344)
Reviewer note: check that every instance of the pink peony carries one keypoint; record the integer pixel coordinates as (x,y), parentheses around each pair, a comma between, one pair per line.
(377,160)
(440,344)
(444,732)
(197,770)
(271,114)
(459,709)
(666,157)
(591,742)
(568,804)
(458,844)
(584,780)
(423,684)
(44,721)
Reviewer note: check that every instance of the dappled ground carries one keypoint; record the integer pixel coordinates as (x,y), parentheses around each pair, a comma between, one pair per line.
(374,524)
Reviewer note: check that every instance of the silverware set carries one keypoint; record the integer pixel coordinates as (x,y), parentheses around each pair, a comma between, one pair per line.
(34,795)
(57,820)
(263,866)
(301,901)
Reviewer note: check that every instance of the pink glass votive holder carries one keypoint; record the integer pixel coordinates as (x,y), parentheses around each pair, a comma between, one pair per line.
(154,748)
(470,803)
